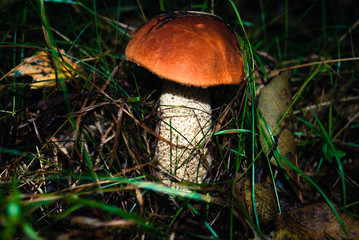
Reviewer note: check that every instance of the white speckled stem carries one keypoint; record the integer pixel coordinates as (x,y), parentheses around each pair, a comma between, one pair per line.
(185,120)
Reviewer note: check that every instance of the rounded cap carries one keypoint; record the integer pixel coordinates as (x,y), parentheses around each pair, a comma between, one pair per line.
(191,48)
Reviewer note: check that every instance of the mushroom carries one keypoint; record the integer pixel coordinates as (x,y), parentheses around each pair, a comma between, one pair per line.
(191,51)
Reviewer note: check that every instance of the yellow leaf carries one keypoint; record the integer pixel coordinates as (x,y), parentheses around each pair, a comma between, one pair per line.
(42,71)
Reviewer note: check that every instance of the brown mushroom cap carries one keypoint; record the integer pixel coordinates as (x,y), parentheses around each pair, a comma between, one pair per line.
(194,49)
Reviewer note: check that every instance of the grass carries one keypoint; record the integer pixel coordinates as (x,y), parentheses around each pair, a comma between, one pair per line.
(76,158)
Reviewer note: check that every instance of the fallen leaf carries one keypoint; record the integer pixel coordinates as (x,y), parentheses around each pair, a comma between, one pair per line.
(274,100)
(42,71)
(317,221)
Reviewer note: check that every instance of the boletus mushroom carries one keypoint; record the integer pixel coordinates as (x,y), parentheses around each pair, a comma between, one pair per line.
(191,51)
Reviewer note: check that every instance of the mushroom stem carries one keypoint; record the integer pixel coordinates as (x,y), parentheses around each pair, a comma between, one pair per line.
(185,114)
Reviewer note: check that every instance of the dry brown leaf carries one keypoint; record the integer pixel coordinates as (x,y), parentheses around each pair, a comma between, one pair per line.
(334,230)
(316,220)
(42,71)
(274,100)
